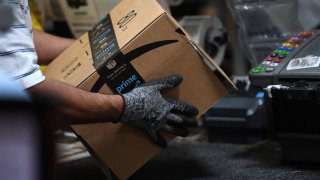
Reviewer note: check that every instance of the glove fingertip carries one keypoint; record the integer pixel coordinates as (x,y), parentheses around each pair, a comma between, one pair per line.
(157,139)
(177,130)
(191,110)
(193,123)
(175,79)
(161,141)
(170,82)
(184,134)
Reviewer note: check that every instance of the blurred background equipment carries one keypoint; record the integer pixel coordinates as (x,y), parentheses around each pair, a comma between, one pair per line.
(79,15)
(82,17)
(290,75)
(175,2)
(264,25)
(209,33)
(271,35)
(76,3)
(308,13)
(239,117)
(165,4)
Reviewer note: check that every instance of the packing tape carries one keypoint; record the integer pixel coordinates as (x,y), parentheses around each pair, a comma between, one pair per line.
(209,33)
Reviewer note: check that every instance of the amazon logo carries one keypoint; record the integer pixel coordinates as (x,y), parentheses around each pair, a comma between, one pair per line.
(119,74)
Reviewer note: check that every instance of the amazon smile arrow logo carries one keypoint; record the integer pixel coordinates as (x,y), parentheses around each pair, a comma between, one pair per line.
(118,73)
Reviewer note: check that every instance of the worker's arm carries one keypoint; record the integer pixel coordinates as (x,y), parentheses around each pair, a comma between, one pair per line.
(144,108)
(75,105)
(48,46)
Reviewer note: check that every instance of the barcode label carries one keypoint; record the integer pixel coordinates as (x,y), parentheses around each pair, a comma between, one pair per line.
(306,62)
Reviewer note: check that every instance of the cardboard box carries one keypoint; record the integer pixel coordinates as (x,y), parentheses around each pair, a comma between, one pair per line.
(136,42)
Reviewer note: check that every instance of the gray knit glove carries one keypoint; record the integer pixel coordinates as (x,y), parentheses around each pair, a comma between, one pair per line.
(148,110)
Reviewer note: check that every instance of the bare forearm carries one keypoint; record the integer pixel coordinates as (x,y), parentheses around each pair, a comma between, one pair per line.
(76,105)
(48,46)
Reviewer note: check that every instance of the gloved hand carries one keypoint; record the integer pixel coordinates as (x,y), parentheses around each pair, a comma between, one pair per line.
(148,110)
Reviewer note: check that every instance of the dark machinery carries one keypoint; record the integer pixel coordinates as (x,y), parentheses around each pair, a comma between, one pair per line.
(290,76)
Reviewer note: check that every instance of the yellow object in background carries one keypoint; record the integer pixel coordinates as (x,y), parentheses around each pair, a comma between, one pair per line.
(35,23)
(42,68)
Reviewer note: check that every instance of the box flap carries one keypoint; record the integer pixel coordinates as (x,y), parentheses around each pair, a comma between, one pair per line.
(211,62)
(202,53)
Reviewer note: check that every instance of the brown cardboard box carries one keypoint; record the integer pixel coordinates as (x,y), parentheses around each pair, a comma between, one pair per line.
(138,41)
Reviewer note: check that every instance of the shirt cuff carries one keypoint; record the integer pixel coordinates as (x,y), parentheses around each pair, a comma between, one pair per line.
(31,79)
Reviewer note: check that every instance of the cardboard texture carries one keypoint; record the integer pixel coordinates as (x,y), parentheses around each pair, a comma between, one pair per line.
(151,45)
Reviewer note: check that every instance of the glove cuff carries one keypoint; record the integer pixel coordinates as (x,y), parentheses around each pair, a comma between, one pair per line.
(122,112)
